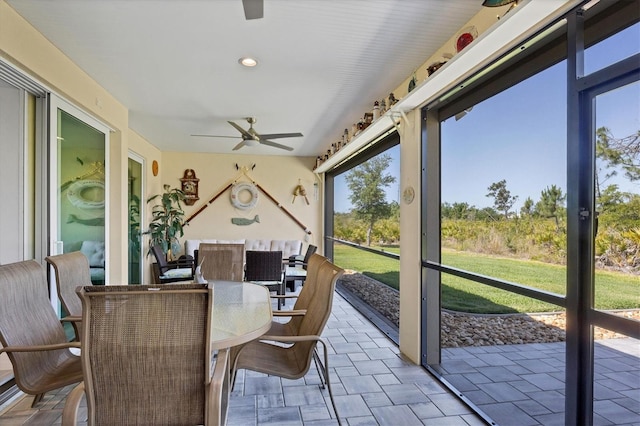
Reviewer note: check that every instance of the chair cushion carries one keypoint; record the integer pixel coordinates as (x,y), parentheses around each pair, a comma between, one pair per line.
(178,273)
(94,250)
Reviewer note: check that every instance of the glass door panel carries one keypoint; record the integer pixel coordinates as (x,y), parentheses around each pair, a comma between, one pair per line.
(616,351)
(617,240)
(135,238)
(79,194)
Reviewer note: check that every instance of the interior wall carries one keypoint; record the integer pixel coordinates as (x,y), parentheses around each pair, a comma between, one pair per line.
(278,175)
(28,50)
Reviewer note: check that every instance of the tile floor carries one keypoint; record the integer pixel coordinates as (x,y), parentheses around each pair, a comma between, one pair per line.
(524,384)
(373,385)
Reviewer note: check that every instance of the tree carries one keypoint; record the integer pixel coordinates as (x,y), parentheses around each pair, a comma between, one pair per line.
(502,198)
(366,183)
(527,207)
(550,204)
(623,153)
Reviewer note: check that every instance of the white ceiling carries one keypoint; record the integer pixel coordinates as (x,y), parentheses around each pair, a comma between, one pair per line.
(174,64)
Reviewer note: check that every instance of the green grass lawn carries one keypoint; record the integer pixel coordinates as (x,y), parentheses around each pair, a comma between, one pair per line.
(612,290)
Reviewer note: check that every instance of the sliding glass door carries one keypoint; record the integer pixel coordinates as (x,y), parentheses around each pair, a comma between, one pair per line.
(135,215)
(78,187)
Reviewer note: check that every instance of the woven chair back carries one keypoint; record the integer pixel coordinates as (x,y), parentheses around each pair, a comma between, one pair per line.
(308,289)
(319,308)
(71,271)
(221,261)
(145,353)
(263,266)
(28,319)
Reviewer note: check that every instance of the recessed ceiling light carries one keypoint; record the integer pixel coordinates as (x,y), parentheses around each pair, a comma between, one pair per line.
(248,62)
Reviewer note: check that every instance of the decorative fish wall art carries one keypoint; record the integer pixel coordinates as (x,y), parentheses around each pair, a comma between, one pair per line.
(98,221)
(241,221)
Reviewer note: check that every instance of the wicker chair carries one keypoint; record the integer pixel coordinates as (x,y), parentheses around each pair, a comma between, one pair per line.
(292,360)
(71,271)
(224,262)
(173,271)
(265,268)
(32,334)
(146,356)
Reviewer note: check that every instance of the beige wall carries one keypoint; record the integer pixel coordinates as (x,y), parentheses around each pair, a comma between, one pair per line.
(29,51)
(278,176)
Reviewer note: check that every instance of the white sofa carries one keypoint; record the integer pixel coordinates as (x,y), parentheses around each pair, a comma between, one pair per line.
(288,247)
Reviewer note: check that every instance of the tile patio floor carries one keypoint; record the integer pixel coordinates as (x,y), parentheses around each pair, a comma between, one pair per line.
(373,385)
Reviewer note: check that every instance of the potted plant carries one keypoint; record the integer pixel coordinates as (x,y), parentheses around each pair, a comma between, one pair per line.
(167,221)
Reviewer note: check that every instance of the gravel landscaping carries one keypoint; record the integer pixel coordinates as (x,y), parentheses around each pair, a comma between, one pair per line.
(461,329)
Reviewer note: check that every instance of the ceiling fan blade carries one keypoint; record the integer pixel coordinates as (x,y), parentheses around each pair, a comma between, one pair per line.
(245,134)
(276,145)
(280,135)
(240,145)
(216,136)
(253,9)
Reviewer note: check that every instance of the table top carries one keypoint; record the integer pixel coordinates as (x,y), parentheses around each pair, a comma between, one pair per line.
(241,313)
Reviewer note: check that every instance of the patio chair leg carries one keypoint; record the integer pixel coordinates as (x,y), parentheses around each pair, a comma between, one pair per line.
(36,399)
(319,367)
(325,372)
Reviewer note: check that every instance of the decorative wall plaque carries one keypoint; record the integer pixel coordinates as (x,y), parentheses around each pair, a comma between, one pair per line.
(190,187)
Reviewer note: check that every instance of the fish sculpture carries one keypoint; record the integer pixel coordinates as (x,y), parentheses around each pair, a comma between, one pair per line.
(243,221)
(98,221)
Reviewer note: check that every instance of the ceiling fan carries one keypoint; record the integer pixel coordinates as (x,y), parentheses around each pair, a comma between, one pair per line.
(253,9)
(252,138)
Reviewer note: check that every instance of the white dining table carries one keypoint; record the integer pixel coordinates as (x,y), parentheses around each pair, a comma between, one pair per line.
(241,313)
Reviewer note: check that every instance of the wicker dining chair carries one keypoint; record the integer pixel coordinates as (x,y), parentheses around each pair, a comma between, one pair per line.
(290,356)
(172,271)
(71,271)
(221,261)
(146,357)
(265,268)
(31,333)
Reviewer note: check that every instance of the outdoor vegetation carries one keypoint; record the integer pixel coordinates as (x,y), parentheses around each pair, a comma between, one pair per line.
(526,247)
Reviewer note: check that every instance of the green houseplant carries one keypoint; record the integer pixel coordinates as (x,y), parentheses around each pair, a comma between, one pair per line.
(167,221)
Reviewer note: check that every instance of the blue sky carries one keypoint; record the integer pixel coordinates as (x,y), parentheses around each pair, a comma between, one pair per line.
(524,142)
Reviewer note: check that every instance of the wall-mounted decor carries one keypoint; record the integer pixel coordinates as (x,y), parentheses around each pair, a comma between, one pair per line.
(408,194)
(241,221)
(239,193)
(154,168)
(252,186)
(299,190)
(190,187)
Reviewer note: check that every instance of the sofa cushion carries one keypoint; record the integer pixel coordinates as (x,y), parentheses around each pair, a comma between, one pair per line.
(94,251)
(287,247)
(190,246)
(257,245)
